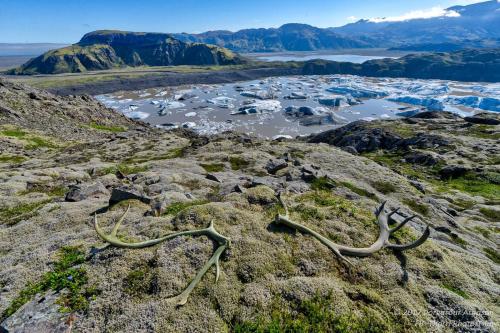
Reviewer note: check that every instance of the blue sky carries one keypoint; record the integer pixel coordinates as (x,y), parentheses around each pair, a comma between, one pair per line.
(66,21)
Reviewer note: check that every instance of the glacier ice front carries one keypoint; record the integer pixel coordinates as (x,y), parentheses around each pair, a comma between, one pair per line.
(299,105)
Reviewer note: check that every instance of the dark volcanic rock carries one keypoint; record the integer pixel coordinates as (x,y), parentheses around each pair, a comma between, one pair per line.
(358,135)
(421,158)
(82,192)
(275,165)
(485,118)
(128,193)
(453,171)
(423,141)
(436,115)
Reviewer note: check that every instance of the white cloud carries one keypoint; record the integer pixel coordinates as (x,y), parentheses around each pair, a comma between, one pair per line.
(352,19)
(418,14)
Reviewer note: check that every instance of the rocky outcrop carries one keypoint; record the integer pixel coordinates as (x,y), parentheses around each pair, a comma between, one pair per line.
(360,136)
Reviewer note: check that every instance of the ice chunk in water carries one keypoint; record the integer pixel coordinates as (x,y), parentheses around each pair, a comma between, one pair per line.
(432,104)
(259,107)
(357,92)
(137,115)
(222,102)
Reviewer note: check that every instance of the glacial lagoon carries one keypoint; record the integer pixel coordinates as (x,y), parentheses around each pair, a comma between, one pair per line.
(299,105)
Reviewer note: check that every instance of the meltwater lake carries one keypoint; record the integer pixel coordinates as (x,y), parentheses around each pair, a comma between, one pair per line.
(299,105)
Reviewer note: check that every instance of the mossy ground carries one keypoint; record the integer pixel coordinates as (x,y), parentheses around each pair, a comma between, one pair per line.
(316,315)
(65,277)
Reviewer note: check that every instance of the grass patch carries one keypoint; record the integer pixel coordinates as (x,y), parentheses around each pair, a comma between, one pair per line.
(11,216)
(485,184)
(491,214)
(323,184)
(112,129)
(455,290)
(215,167)
(14,133)
(492,254)
(315,315)
(464,204)
(359,191)
(458,240)
(384,187)
(238,163)
(52,191)
(173,153)
(31,141)
(417,207)
(38,142)
(12,159)
(125,169)
(483,231)
(177,207)
(140,281)
(483,132)
(307,212)
(64,277)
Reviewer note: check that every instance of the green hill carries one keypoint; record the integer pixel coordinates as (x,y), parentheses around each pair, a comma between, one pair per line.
(108,49)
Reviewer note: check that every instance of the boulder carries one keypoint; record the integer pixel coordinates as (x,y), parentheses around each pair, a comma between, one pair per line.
(453,171)
(133,192)
(42,314)
(359,135)
(436,115)
(485,118)
(82,192)
(274,165)
(421,158)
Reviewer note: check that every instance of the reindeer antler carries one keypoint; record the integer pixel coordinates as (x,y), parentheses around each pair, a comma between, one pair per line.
(341,250)
(210,232)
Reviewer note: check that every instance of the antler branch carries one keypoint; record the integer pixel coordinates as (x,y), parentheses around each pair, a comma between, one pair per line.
(210,232)
(341,250)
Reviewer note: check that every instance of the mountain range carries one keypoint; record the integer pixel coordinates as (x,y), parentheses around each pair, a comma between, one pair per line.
(463,27)
(106,49)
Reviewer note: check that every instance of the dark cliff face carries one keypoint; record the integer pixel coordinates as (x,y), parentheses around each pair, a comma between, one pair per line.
(110,49)
(289,37)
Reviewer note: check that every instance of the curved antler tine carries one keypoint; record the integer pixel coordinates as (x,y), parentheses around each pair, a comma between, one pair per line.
(118,224)
(402,224)
(413,245)
(380,209)
(282,202)
(182,298)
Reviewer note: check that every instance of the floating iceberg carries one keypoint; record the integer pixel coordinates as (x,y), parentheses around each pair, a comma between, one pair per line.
(137,115)
(432,104)
(222,102)
(336,101)
(476,102)
(259,107)
(357,92)
(173,105)
(296,95)
(259,94)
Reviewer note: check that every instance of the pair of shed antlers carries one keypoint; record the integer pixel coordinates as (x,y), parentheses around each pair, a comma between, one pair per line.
(341,251)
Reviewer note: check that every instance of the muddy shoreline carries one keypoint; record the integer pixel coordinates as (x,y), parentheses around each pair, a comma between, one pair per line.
(172,79)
